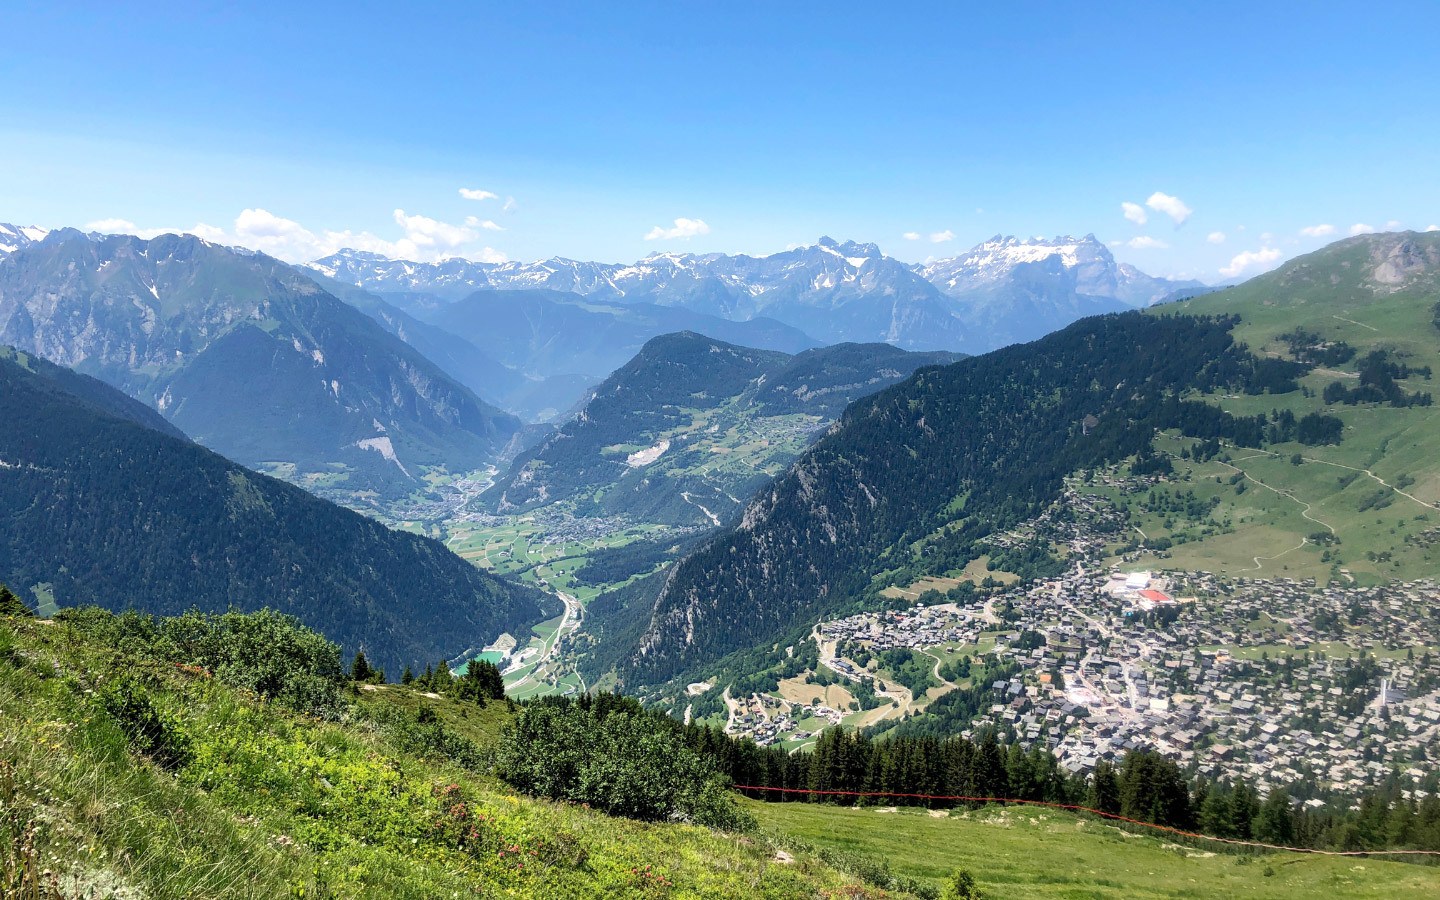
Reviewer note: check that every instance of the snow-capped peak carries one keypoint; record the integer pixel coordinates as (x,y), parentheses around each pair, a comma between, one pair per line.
(14,237)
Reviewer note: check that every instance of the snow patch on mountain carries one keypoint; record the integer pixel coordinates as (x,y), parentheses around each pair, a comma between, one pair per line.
(14,237)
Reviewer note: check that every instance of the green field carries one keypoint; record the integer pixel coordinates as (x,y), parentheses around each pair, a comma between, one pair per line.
(1353,487)
(1020,854)
(523,547)
(1268,529)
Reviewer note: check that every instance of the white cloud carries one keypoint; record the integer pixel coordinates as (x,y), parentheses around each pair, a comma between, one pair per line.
(1145,242)
(1250,258)
(1433,228)
(940,237)
(911,235)
(1361,228)
(477,194)
(510,205)
(1170,206)
(110,226)
(1215,237)
(1318,230)
(1134,212)
(423,239)
(125,226)
(683,230)
(486,224)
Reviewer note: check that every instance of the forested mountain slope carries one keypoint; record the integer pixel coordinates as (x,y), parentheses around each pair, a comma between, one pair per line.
(912,477)
(99,506)
(691,427)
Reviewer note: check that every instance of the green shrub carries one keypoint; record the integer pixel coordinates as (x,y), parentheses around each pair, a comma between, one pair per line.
(961,886)
(266,652)
(149,730)
(616,757)
(425,735)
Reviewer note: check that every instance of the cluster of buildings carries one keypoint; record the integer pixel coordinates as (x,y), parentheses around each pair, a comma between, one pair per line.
(1278,680)
(920,626)
(767,719)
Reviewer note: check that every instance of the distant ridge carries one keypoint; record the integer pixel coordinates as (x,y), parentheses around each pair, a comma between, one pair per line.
(1001,291)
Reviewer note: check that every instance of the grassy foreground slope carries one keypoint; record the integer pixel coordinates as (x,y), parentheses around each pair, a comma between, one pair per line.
(1020,853)
(235,797)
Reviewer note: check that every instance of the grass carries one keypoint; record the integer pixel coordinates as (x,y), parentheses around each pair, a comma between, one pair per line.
(1020,854)
(1329,294)
(522,546)
(270,803)
(1266,529)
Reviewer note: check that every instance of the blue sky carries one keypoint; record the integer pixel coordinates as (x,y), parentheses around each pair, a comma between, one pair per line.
(595,125)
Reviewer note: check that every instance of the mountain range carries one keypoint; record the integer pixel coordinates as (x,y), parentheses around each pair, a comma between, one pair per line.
(1001,291)
(250,357)
(691,426)
(103,502)
(562,343)
(913,481)
(14,237)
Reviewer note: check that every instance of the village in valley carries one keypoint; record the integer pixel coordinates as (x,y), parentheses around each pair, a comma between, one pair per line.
(1277,679)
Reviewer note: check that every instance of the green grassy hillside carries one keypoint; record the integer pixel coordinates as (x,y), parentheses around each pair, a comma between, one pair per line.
(1378,489)
(1029,854)
(124,774)
(128,777)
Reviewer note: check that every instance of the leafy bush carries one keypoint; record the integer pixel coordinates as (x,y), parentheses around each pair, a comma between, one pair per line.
(424,735)
(149,730)
(961,886)
(266,652)
(616,757)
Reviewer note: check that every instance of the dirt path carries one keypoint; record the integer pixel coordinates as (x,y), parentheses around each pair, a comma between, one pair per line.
(1353,322)
(938,677)
(1304,513)
(1325,462)
(897,693)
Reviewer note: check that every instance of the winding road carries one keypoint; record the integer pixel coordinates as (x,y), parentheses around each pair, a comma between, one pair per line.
(570,621)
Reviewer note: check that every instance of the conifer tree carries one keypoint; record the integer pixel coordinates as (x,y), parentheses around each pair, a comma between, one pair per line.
(11,605)
(360,670)
(1275,824)
(1105,791)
